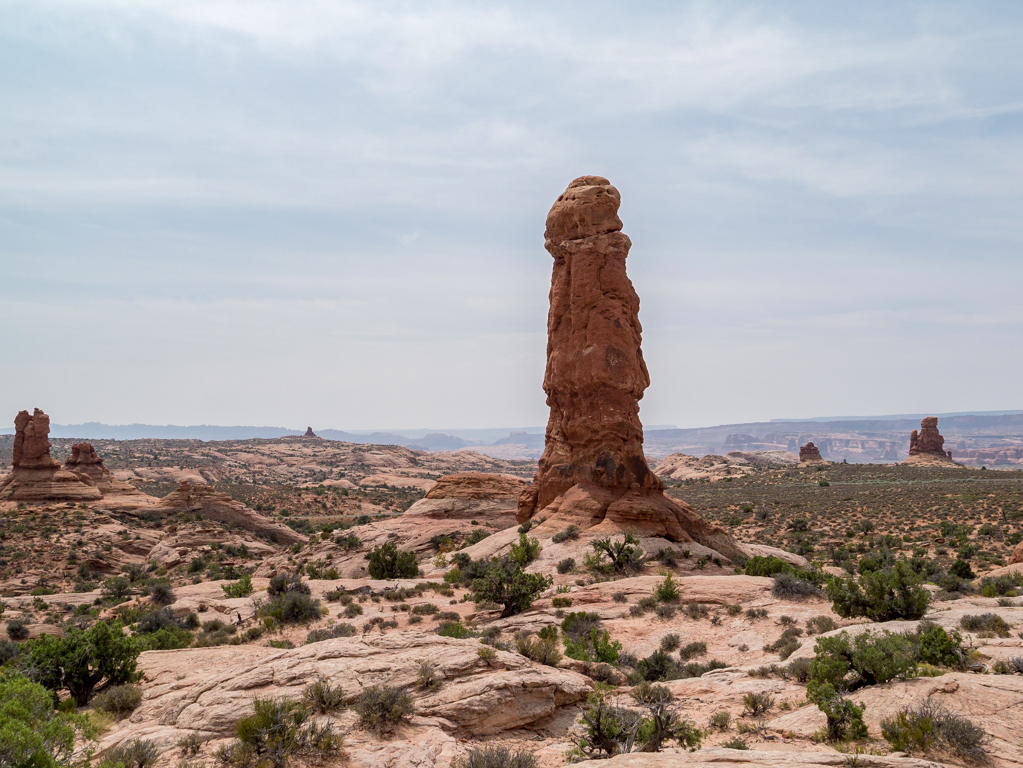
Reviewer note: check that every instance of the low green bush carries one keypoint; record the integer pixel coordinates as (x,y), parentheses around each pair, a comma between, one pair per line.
(119,700)
(928,728)
(381,708)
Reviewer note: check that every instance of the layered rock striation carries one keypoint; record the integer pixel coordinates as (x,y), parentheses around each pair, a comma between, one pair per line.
(593,470)
(37,476)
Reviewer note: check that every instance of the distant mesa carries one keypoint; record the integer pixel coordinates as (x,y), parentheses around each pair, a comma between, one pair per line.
(309,432)
(810,454)
(928,446)
(593,473)
(37,476)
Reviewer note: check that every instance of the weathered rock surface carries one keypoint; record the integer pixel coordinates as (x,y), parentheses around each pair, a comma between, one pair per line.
(37,476)
(759,758)
(593,470)
(477,485)
(207,690)
(212,505)
(810,454)
(309,432)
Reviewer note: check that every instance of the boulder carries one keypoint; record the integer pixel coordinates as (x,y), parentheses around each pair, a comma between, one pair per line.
(477,485)
(1017,554)
(593,470)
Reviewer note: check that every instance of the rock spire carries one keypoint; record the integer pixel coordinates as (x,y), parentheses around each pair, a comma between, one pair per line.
(593,468)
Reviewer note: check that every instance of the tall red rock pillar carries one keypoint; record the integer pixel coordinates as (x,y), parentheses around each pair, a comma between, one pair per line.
(593,468)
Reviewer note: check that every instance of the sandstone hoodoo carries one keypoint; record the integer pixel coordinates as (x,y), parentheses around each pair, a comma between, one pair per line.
(309,432)
(593,471)
(928,445)
(810,454)
(37,476)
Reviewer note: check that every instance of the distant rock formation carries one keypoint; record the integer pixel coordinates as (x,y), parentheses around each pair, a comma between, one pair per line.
(593,471)
(927,445)
(309,432)
(201,499)
(809,454)
(37,476)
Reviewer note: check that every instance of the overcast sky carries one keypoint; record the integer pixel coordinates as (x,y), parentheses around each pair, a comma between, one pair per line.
(332,213)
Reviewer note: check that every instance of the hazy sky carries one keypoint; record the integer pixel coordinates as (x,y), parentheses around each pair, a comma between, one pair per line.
(331,213)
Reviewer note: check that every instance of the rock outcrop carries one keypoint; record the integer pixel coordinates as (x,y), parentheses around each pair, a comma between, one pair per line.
(927,445)
(86,463)
(37,476)
(810,454)
(206,691)
(201,499)
(755,758)
(928,440)
(593,471)
(1017,554)
(309,432)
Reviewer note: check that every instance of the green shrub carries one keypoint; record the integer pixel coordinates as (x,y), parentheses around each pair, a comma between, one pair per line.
(388,562)
(161,593)
(787,644)
(759,565)
(330,633)
(525,551)
(504,582)
(938,647)
(818,625)
(927,728)
(882,595)
(985,622)
(17,630)
(428,679)
(757,703)
(613,729)
(572,532)
(670,642)
(290,608)
(735,743)
(453,629)
(667,591)
(119,700)
(566,565)
(322,697)
(721,719)
(32,733)
(543,650)
(116,589)
(692,650)
(80,659)
(240,588)
(137,753)
(496,757)
(623,556)
(381,708)
(787,586)
(272,734)
(561,602)
(283,583)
